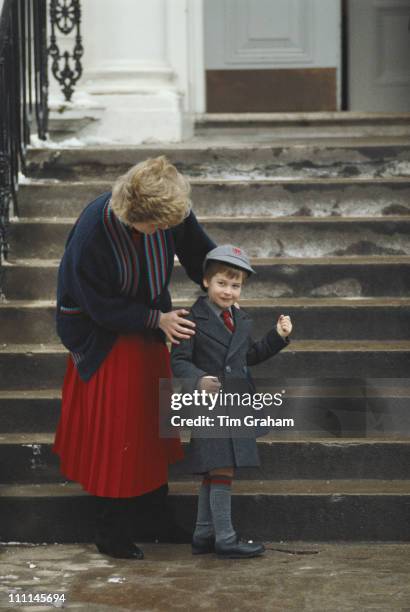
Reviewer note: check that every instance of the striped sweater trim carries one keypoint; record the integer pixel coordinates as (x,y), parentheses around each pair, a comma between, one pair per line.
(156,252)
(124,250)
(133,264)
(122,245)
(157,263)
(110,235)
(164,257)
(77,357)
(153,319)
(70,310)
(126,256)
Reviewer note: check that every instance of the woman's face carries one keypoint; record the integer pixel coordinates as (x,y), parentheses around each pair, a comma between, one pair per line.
(149,227)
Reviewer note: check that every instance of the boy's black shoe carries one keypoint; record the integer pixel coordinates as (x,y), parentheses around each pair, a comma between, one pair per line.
(203,546)
(119,550)
(239,549)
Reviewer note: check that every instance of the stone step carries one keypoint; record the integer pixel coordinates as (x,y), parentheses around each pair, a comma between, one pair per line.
(67,119)
(270,197)
(28,458)
(349,510)
(314,318)
(338,157)
(350,277)
(261,237)
(262,127)
(32,411)
(42,366)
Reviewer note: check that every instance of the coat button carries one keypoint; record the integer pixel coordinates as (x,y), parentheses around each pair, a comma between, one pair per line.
(228,369)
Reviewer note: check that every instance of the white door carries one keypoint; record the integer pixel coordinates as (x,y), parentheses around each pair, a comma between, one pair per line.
(379,55)
(272,55)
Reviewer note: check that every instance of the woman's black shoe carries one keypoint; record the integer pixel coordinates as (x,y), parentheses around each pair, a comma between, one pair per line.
(113,534)
(119,550)
(239,549)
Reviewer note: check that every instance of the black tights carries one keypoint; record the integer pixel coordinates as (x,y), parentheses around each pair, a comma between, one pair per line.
(120,518)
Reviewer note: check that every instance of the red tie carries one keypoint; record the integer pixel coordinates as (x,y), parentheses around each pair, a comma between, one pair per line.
(226,315)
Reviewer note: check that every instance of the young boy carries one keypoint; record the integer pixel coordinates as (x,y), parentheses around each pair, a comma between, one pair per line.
(219,353)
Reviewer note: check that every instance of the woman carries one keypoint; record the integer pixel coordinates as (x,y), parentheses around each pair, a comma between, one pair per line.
(114,315)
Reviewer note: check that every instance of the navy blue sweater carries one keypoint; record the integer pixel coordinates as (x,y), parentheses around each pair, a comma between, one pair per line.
(106,288)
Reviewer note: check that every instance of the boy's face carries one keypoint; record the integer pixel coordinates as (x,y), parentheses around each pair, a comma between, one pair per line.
(222,290)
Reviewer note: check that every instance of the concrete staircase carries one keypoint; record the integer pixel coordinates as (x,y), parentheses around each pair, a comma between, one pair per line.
(327,225)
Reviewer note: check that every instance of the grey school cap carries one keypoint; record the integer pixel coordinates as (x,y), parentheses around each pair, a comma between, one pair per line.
(229,254)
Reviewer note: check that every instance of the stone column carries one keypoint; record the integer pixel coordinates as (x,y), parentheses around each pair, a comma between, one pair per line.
(142,68)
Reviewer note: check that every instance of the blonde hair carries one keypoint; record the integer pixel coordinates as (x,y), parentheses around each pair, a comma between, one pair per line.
(230,271)
(154,191)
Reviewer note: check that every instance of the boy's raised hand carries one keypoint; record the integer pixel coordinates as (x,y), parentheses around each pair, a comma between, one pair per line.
(210,384)
(284,326)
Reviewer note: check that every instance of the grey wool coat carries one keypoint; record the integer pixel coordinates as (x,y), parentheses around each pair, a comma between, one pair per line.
(213,350)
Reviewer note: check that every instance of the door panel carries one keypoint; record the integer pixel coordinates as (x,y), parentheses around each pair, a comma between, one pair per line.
(379,55)
(272,55)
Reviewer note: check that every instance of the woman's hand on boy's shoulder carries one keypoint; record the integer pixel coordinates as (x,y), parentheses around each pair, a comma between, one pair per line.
(176,326)
(284,326)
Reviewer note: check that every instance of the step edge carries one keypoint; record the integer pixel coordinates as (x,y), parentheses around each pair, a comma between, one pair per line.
(47,439)
(320,302)
(282,220)
(240,488)
(341,346)
(365,180)
(388,142)
(322,116)
(31,394)
(257,261)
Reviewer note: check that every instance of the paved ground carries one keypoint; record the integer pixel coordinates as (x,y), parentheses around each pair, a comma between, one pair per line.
(294,576)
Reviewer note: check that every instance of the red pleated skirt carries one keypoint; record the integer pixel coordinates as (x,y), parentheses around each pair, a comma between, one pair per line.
(108,434)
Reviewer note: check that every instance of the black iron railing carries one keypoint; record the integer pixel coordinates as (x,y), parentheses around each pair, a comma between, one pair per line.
(23,96)
(65,18)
